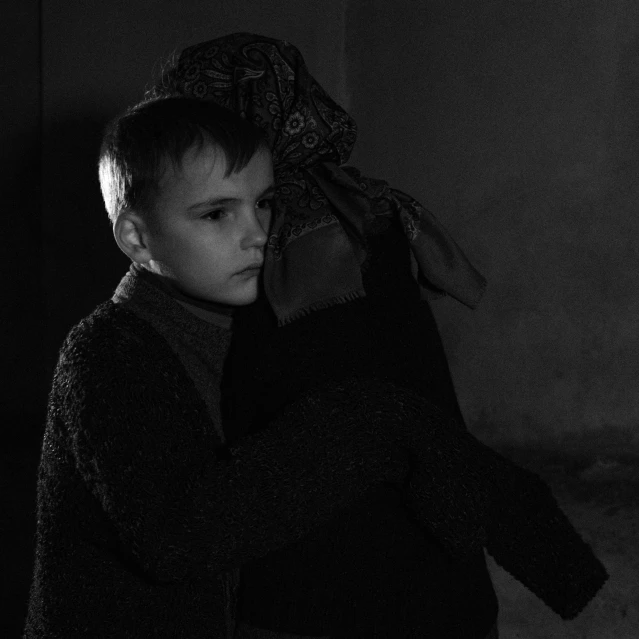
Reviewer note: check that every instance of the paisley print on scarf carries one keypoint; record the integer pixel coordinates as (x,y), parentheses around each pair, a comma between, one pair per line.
(319,201)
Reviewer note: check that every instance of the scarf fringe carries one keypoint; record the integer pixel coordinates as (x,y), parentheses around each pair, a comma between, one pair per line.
(282,320)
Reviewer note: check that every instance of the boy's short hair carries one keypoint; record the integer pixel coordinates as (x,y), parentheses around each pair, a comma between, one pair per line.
(137,144)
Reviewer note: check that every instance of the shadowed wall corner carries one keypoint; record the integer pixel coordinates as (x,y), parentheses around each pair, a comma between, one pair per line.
(24,383)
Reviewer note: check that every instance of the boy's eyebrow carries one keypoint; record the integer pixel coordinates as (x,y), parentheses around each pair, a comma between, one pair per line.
(217,201)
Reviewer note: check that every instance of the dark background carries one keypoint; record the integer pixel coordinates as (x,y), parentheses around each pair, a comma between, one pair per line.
(516,123)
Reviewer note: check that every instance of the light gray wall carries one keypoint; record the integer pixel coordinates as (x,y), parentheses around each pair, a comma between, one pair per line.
(516,123)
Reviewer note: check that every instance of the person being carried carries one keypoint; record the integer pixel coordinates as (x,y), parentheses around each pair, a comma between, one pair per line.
(350,265)
(146,507)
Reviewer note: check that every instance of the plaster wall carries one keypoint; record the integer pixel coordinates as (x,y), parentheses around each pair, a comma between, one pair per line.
(516,124)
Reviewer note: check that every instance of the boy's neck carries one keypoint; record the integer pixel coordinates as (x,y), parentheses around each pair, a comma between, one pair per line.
(213,307)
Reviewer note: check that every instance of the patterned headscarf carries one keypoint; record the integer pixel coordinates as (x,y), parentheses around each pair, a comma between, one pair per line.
(315,249)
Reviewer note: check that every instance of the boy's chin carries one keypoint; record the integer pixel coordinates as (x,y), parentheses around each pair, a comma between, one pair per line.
(241,296)
(244,297)
(245,301)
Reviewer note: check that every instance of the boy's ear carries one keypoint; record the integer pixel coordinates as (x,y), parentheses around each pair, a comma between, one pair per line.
(131,235)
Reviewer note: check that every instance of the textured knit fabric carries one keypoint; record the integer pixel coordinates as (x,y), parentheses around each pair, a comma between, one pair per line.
(391,335)
(315,244)
(141,293)
(146,512)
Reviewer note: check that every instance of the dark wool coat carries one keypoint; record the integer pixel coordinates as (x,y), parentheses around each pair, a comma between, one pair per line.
(146,512)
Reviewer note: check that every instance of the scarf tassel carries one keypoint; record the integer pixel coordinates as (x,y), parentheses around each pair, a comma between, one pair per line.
(317,306)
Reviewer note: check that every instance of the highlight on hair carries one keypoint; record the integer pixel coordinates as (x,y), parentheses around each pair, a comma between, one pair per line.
(137,145)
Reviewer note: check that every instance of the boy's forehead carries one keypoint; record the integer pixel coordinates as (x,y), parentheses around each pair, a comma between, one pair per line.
(196,160)
(199,161)
(202,171)
(190,173)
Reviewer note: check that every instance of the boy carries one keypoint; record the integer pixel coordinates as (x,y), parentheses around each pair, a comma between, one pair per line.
(144,515)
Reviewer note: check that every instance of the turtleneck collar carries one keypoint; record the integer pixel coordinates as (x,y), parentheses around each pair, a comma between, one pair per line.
(211,312)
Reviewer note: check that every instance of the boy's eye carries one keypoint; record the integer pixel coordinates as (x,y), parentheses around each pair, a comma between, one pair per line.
(266,203)
(214,215)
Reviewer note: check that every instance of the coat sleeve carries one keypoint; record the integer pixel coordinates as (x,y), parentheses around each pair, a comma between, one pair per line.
(526,532)
(531,538)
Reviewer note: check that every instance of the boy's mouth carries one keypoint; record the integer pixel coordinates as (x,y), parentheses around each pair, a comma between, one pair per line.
(251,269)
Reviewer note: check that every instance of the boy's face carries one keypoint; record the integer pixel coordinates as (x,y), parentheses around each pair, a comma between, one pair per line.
(206,229)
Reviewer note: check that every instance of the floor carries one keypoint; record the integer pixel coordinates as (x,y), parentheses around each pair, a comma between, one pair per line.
(600,497)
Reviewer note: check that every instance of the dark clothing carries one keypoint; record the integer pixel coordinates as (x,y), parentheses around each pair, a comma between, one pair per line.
(370,572)
(145,515)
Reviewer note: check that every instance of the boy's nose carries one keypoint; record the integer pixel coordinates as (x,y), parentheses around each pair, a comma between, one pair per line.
(254,233)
